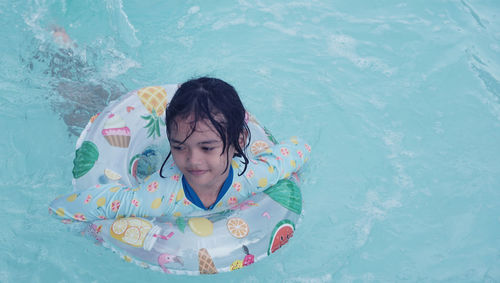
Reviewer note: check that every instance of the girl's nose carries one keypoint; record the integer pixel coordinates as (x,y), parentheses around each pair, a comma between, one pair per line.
(194,156)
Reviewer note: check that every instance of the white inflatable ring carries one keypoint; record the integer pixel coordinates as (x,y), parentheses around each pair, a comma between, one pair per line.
(125,143)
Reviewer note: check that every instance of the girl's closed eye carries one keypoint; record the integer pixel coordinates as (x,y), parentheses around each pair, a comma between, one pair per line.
(177,147)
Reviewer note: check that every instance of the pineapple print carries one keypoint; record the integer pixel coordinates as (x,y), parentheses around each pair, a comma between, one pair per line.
(154,98)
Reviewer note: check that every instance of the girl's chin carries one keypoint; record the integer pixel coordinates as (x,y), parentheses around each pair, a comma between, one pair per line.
(196,181)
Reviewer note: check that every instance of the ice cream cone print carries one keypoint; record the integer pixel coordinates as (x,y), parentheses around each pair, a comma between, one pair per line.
(206,264)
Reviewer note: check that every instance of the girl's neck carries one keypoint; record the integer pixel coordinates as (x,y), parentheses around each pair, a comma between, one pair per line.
(208,200)
(208,195)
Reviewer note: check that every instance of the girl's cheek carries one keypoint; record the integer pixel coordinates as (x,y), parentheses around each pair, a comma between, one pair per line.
(177,157)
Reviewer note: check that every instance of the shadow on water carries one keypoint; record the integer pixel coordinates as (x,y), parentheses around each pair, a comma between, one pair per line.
(76,91)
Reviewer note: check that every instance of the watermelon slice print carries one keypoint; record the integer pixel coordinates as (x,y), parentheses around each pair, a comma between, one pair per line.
(286,193)
(280,236)
(85,158)
(132,166)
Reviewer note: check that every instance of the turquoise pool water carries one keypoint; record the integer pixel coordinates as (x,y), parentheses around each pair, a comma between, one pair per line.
(400,100)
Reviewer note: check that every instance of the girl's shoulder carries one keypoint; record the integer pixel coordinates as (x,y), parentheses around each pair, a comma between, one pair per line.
(170,179)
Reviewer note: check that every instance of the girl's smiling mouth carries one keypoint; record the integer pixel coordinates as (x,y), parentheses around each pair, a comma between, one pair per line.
(197,172)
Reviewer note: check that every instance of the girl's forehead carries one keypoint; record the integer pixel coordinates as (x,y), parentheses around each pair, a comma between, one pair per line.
(198,129)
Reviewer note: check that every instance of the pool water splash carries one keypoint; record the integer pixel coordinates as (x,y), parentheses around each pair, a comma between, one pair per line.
(374,210)
(399,100)
(486,75)
(345,47)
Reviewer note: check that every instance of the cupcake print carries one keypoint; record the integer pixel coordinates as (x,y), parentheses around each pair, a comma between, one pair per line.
(116,131)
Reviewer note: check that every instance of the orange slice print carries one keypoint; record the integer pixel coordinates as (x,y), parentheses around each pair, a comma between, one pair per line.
(258,147)
(238,227)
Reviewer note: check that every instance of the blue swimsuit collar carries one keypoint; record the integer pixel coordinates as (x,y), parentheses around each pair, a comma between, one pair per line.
(193,197)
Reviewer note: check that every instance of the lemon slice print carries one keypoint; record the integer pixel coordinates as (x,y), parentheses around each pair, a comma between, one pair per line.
(132,236)
(112,175)
(201,226)
(60,211)
(134,222)
(156,203)
(139,223)
(72,197)
(114,189)
(101,202)
(180,195)
(237,227)
(119,226)
(235,164)
(262,182)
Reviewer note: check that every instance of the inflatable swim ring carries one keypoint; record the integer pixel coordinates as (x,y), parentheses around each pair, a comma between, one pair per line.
(126,143)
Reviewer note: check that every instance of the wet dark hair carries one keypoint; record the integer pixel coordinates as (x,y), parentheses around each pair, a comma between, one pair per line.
(208,99)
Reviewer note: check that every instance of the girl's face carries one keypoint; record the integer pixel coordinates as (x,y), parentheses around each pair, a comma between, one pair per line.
(200,157)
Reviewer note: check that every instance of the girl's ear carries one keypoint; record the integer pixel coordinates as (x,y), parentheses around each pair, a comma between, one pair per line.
(243,139)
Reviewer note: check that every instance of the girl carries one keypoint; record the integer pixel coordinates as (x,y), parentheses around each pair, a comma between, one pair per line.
(207,131)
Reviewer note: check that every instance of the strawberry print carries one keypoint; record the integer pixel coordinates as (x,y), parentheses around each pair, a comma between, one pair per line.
(135,203)
(250,174)
(153,187)
(300,154)
(237,186)
(232,201)
(115,205)
(87,200)
(79,217)
(308,147)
